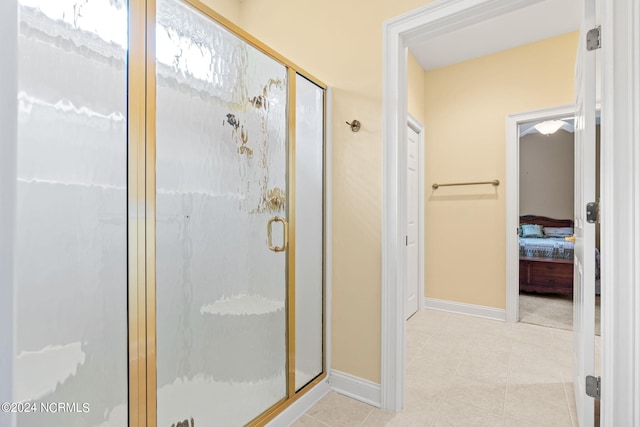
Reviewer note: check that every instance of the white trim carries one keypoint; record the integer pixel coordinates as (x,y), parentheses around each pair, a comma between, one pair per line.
(442,16)
(328,232)
(394,114)
(467,309)
(418,127)
(8,160)
(355,388)
(300,406)
(434,19)
(620,207)
(512,194)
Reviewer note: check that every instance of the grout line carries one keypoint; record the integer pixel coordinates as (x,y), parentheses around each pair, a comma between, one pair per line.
(446,393)
(316,419)
(367,417)
(506,389)
(574,421)
(415,356)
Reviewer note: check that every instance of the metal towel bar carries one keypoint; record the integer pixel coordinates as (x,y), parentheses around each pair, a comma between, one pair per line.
(495,183)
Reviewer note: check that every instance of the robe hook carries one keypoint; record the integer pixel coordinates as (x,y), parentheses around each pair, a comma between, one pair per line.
(355,125)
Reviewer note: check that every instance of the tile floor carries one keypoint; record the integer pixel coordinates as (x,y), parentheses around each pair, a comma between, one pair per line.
(468,371)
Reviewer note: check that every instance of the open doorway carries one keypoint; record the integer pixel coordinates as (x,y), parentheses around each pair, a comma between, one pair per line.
(546,200)
(546,237)
(619,196)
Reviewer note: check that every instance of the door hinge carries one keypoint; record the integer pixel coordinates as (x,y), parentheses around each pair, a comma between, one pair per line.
(406,240)
(593,212)
(593,386)
(593,39)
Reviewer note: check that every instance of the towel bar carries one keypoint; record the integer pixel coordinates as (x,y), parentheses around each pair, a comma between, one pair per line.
(495,183)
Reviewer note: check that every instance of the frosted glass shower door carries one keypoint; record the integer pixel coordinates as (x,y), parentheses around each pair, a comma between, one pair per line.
(221,256)
(309,230)
(71,214)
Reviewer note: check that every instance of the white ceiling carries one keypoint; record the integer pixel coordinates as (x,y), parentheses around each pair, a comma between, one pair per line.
(540,21)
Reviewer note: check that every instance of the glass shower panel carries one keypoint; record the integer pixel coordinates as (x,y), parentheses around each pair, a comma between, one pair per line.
(221,178)
(71,226)
(309,230)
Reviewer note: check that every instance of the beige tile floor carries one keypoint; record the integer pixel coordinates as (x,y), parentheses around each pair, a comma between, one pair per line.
(468,371)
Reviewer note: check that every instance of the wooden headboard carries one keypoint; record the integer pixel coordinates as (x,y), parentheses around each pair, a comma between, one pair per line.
(545,221)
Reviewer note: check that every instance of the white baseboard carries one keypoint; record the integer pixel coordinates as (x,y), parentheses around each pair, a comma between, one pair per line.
(356,388)
(300,406)
(468,309)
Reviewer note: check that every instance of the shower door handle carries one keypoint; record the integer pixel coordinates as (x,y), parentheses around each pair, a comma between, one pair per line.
(285,226)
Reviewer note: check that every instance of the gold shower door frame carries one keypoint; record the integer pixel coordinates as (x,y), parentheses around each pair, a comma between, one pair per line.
(141,199)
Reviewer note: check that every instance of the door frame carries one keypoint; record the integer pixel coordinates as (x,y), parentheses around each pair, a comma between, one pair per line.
(512,196)
(430,21)
(620,165)
(620,196)
(418,127)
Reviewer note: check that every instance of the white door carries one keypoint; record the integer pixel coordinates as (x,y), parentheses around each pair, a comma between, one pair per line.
(413,212)
(585,180)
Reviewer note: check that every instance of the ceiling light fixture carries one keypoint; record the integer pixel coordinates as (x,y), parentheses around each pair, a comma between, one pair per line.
(549,127)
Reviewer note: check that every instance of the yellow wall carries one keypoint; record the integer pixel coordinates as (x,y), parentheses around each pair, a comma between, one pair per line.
(415,88)
(465,109)
(230,9)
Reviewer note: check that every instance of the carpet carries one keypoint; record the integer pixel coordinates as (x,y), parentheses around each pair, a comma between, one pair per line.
(555,311)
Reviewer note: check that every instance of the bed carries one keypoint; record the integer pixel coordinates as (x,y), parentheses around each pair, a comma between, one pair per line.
(546,258)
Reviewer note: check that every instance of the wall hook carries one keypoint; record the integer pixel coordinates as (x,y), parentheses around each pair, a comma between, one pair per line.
(355,125)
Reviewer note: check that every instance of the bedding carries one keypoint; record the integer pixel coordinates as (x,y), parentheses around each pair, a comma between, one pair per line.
(558,231)
(546,247)
(531,230)
(546,258)
(551,247)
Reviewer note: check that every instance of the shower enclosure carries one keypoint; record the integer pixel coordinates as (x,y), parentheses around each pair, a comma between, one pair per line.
(169,239)
(227,225)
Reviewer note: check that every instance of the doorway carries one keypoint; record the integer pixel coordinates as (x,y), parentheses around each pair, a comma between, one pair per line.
(517,125)
(546,186)
(618,199)
(546,206)
(422,24)
(514,124)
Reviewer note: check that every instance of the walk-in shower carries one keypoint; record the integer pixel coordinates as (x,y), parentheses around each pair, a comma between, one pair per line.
(169,239)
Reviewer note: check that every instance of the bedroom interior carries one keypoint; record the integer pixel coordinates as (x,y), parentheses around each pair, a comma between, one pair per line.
(546,224)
